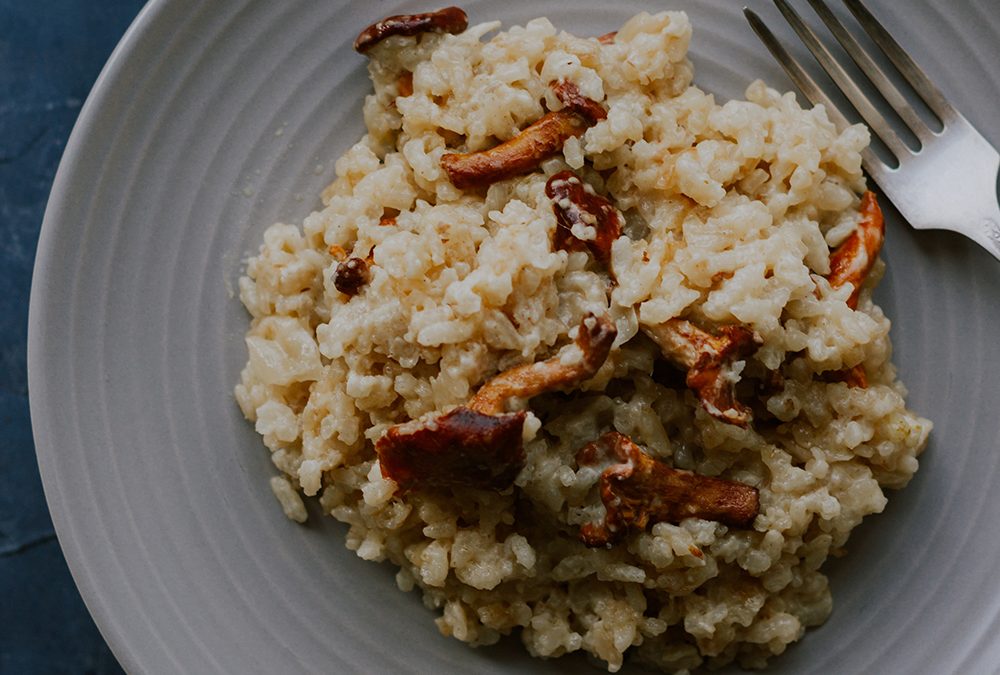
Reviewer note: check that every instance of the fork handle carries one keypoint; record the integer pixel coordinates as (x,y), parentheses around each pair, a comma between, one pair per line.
(985,230)
(991,227)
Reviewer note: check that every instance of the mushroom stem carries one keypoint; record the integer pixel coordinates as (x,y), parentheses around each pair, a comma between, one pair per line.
(851,263)
(520,155)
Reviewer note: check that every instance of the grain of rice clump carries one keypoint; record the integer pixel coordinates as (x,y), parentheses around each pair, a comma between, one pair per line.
(731,212)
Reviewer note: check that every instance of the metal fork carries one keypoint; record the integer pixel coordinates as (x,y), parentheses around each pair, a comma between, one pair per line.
(949,182)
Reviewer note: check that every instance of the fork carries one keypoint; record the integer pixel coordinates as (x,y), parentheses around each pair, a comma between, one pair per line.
(949,181)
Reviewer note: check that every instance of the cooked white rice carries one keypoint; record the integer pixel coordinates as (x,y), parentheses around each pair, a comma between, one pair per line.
(732,211)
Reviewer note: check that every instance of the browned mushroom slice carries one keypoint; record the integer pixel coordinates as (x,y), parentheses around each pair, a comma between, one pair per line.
(569,95)
(575,204)
(520,155)
(447,20)
(709,361)
(853,259)
(638,490)
(526,151)
(462,447)
(479,445)
(566,369)
(851,263)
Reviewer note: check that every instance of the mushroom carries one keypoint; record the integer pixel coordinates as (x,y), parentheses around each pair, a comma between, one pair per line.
(710,363)
(569,95)
(526,151)
(479,444)
(461,447)
(638,490)
(855,257)
(577,206)
(351,275)
(520,155)
(851,263)
(447,20)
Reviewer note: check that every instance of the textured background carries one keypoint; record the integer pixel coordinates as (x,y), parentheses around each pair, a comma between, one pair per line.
(50,54)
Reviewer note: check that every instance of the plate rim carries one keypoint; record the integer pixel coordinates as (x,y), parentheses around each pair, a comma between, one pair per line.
(40,309)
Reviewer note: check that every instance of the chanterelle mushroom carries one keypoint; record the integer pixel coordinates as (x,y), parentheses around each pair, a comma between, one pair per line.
(480,445)
(854,258)
(851,263)
(520,155)
(569,95)
(579,209)
(710,363)
(447,20)
(638,490)
(526,151)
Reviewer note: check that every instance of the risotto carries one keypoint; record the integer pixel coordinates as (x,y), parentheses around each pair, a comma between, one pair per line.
(589,356)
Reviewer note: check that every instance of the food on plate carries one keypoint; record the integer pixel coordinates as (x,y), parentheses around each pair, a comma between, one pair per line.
(855,257)
(578,212)
(711,362)
(637,490)
(590,356)
(479,444)
(447,20)
(851,263)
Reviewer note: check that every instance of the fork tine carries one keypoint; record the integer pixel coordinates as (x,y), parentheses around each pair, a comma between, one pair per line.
(808,86)
(868,111)
(799,77)
(872,71)
(922,84)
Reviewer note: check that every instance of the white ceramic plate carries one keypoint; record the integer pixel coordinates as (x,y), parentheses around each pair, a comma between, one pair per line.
(213,120)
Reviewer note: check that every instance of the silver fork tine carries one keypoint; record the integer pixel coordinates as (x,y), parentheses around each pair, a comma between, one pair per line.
(872,116)
(962,196)
(801,79)
(932,96)
(872,71)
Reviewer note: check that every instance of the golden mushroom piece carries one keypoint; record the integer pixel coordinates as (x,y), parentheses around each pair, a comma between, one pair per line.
(479,444)
(851,263)
(446,20)
(854,258)
(577,205)
(638,490)
(524,153)
(710,361)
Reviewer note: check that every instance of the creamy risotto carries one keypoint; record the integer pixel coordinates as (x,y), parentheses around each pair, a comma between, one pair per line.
(589,356)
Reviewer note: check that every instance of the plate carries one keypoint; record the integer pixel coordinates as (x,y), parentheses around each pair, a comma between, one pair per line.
(213,120)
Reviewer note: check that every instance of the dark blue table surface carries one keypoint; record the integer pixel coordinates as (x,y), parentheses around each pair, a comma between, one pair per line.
(51,52)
